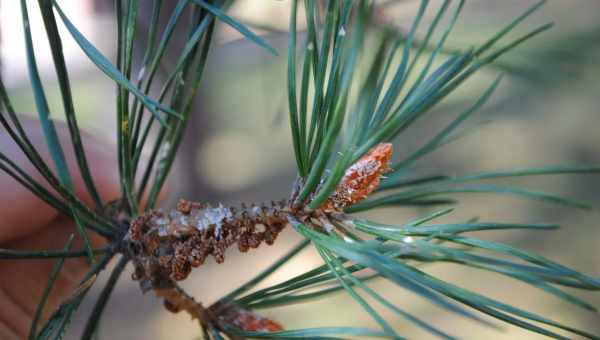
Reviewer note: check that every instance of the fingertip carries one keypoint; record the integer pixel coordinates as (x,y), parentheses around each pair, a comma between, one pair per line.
(103,169)
(22,211)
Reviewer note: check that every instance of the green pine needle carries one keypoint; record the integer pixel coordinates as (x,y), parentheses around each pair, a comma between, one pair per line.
(46,293)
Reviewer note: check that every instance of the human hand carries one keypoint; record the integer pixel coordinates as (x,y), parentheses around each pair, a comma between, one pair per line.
(28,223)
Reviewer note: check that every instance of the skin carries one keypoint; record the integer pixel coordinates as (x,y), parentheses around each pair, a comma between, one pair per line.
(27,223)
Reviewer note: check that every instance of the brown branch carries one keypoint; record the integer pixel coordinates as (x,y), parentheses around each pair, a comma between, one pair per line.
(164,247)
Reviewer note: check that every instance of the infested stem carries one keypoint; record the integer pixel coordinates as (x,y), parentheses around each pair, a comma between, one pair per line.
(168,245)
(165,246)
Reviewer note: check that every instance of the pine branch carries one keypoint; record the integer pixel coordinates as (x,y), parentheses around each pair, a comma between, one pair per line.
(343,127)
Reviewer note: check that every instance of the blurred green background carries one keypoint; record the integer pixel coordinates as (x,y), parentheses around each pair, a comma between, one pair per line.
(238,149)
